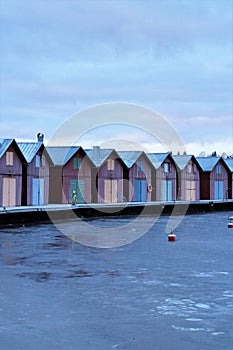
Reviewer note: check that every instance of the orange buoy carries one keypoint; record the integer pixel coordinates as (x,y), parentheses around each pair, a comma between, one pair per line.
(171,237)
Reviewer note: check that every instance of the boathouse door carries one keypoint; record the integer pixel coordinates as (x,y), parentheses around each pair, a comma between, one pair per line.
(218,190)
(110,191)
(37,191)
(140,191)
(9,192)
(167,190)
(79,187)
(190,190)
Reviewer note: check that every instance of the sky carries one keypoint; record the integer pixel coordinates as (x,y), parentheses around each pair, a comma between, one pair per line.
(173,57)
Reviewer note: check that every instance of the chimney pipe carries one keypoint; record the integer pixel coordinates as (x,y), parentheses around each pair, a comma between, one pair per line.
(40,137)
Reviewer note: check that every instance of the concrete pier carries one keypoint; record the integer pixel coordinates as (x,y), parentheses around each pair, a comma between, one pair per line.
(27,215)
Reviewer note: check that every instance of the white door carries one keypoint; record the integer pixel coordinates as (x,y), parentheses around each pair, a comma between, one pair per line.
(190,190)
(9,192)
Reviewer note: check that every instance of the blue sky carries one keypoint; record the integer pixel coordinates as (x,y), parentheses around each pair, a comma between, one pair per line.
(60,57)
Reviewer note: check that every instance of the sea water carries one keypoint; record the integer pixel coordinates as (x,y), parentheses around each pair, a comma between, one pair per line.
(151,294)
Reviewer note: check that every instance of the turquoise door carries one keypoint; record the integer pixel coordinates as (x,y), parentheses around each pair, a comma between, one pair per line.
(79,187)
(218,190)
(140,191)
(167,190)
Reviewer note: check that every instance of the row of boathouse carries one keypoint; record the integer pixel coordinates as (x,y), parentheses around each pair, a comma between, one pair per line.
(32,174)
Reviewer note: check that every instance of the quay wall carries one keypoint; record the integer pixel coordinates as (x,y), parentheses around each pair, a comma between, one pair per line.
(18,216)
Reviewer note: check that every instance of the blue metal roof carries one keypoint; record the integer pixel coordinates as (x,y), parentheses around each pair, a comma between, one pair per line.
(98,155)
(157,158)
(60,155)
(182,160)
(207,163)
(4,145)
(229,163)
(29,149)
(129,157)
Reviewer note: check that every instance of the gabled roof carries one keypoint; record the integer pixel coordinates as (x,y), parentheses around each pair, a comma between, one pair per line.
(229,163)
(182,160)
(130,157)
(99,155)
(4,145)
(60,155)
(157,159)
(207,163)
(29,149)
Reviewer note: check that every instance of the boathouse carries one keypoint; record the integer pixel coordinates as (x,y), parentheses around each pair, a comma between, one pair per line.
(70,175)
(107,175)
(11,163)
(213,178)
(137,176)
(35,179)
(229,163)
(188,177)
(164,176)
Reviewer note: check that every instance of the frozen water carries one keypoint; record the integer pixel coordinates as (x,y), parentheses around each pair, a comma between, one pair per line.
(148,295)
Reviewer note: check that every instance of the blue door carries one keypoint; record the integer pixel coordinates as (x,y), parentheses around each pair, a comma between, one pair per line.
(37,191)
(140,191)
(218,190)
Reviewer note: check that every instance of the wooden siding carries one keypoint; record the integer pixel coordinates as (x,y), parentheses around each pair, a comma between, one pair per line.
(61,178)
(83,173)
(135,174)
(230,190)
(188,182)
(214,176)
(31,171)
(160,176)
(207,181)
(103,174)
(55,185)
(11,171)
(230,185)
(204,185)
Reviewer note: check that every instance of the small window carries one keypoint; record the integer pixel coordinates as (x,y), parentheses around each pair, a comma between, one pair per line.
(166,167)
(77,163)
(9,158)
(111,164)
(190,168)
(38,161)
(140,165)
(218,169)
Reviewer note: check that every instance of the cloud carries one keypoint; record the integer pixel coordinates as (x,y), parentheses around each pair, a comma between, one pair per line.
(89,29)
(60,57)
